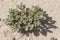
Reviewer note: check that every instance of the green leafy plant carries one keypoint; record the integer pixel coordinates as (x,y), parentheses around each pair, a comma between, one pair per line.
(25,18)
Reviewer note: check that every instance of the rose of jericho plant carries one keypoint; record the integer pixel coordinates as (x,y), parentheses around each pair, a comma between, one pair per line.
(25,18)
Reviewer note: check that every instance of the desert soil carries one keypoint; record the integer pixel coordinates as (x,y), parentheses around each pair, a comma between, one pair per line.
(52,8)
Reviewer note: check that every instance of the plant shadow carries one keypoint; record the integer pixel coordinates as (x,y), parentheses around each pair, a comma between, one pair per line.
(46,26)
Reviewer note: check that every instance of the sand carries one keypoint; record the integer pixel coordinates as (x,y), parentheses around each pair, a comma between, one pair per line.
(52,8)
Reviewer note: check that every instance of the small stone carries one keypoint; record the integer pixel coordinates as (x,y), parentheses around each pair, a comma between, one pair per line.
(14,39)
(55,39)
(0,19)
(52,38)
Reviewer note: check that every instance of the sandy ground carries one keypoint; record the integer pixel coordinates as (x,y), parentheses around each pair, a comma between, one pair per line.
(51,6)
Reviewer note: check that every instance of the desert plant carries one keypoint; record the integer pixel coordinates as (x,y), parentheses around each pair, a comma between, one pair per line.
(25,18)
